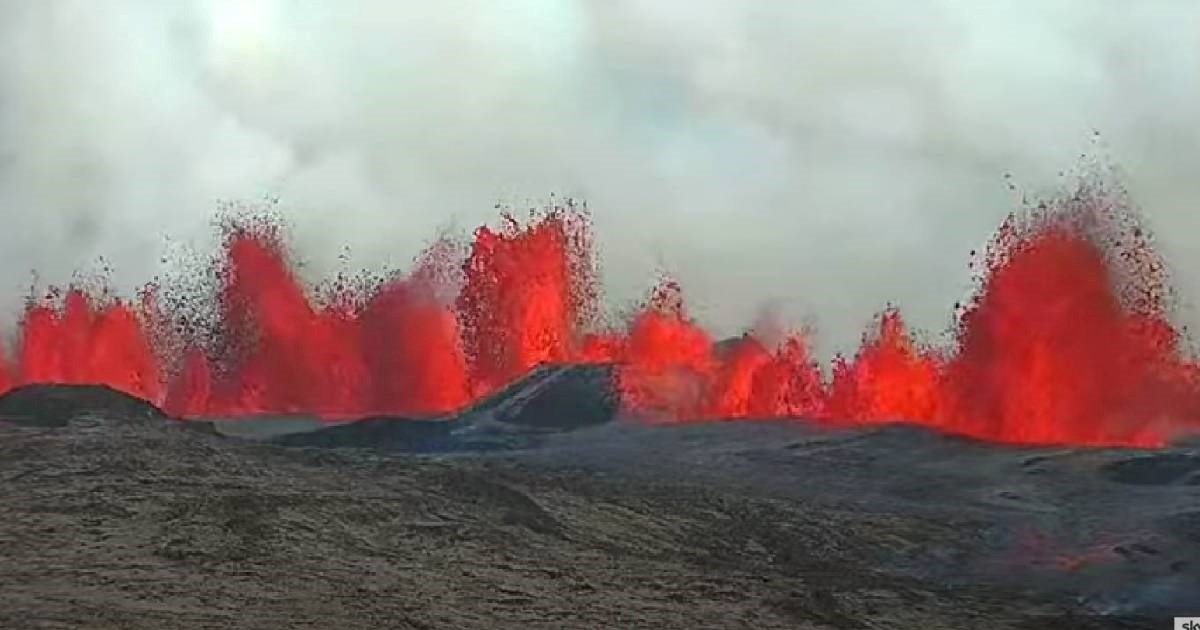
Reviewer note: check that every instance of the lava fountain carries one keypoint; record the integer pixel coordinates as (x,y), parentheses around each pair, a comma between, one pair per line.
(1066,341)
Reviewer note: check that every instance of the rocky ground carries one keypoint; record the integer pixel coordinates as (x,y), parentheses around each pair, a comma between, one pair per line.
(129,520)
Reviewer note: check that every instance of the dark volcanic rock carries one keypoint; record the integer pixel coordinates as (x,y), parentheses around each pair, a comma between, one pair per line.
(387,433)
(723,348)
(1185,525)
(1154,470)
(553,398)
(621,525)
(560,397)
(57,405)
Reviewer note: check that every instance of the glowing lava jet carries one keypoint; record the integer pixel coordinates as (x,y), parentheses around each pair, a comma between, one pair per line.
(1067,339)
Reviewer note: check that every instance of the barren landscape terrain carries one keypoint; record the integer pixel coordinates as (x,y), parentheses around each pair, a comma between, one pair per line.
(112,516)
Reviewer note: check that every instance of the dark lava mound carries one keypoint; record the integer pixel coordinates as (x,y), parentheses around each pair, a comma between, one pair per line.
(552,398)
(561,397)
(385,432)
(41,405)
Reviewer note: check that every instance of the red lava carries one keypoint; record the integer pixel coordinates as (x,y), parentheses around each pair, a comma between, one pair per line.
(1066,341)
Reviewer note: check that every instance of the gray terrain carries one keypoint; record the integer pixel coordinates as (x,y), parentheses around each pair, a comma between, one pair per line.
(538,510)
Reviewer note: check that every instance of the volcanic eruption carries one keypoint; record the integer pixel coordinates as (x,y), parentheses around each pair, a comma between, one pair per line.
(1067,339)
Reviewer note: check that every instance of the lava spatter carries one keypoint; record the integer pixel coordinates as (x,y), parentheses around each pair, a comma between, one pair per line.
(528,295)
(1049,352)
(1067,340)
(890,379)
(85,340)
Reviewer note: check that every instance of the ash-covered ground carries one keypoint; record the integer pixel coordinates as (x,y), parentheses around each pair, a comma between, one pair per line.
(537,510)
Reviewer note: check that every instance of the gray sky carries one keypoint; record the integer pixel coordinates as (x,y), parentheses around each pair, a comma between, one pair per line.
(822,158)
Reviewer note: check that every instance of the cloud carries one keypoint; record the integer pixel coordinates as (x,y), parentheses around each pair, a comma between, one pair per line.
(826,158)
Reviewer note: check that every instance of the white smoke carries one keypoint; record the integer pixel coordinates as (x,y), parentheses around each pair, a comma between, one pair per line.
(836,156)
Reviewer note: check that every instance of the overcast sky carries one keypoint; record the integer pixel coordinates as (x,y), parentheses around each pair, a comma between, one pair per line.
(824,158)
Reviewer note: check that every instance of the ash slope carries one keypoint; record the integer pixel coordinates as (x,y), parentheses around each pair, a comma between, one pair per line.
(110,523)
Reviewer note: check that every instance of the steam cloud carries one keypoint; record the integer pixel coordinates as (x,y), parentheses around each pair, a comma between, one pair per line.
(816,158)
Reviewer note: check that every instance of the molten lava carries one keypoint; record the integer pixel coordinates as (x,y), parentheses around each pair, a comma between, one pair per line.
(889,380)
(526,298)
(1048,353)
(88,341)
(1067,340)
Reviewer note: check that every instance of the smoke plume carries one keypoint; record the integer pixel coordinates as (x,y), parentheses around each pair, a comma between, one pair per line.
(821,158)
